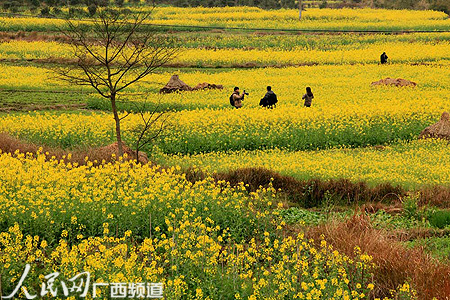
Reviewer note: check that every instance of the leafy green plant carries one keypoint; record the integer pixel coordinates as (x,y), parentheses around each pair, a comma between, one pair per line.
(410,207)
(440,218)
(324,4)
(436,246)
(294,215)
(381,219)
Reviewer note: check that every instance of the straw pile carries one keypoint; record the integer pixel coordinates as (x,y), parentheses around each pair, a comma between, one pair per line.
(399,82)
(176,85)
(440,130)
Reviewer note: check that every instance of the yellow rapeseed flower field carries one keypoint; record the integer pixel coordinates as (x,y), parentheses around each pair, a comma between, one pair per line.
(127,222)
(342,19)
(325,19)
(346,110)
(185,233)
(411,165)
(411,51)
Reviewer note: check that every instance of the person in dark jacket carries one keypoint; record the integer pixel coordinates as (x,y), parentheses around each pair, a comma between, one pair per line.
(236,98)
(383,58)
(308,97)
(270,99)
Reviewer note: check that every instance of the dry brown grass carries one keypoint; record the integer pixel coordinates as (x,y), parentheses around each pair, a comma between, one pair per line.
(313,192)
(32,36)
(22,107)
(438,196)
(10,144)
(395,263)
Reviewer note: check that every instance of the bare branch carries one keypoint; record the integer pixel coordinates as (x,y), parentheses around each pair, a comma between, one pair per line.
(113,53)
(128,113)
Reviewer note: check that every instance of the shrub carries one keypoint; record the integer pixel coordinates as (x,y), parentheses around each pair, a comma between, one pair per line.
(56,11)
(6,5)
(76,12)
(294,215)
(440,218)
(12,6)
(410,206)
(92,9)
(45,11)
(441,5)
(102,3)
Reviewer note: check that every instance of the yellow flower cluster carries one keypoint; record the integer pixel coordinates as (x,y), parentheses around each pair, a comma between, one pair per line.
(346,110)
(348,91)
(342,19)
(274,269)
(402,52)
(329,19)
(128,223)
(414,164)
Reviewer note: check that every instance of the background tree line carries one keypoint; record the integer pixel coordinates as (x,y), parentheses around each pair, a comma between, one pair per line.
(52,6)
(440,5)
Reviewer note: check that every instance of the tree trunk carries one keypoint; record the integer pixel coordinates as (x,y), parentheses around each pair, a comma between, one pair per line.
(300,7)
(116,118)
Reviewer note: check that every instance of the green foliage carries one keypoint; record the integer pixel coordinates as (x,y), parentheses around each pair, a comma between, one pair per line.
(294,215)
(311,198)
(56,11)
(441,5)
(241,222)
(440,218)
(92,9)
(45,11)
(410,207)
(438,247)
(383,220)
(29,100)
(379,130)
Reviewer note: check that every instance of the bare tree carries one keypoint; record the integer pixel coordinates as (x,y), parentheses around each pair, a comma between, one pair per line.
(112,53)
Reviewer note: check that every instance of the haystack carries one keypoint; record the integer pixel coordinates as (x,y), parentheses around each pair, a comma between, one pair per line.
(440,130)
(114,149)
(399,82)
(205,85)
(174,85)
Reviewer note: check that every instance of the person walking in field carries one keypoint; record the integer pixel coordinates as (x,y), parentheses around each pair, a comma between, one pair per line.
(308,97)
(383,58)
(236,98)
(270,99)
